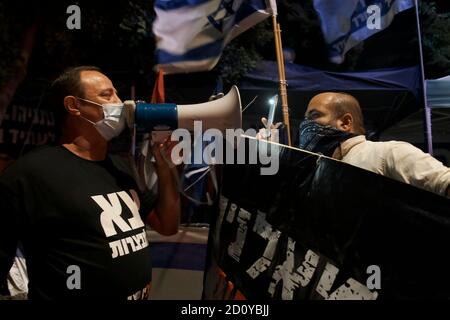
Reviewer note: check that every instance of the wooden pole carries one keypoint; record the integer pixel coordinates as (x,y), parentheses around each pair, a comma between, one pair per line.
(282,77)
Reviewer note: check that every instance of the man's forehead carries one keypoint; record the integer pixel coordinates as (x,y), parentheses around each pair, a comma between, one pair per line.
(95,79)
(320,102)
(316,106)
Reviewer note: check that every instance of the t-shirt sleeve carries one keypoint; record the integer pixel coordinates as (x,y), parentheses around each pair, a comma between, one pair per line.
(9,216)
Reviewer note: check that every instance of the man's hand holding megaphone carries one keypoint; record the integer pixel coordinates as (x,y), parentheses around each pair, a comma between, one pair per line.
(158,121)
(162,153)
(168,207)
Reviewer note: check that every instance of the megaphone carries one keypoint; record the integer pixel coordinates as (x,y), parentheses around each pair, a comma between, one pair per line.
(224,113)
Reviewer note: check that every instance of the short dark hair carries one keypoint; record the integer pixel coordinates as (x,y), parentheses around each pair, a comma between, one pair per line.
(68,83)
(345,103)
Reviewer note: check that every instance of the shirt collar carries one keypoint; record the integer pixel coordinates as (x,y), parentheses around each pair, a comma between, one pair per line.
(347,145)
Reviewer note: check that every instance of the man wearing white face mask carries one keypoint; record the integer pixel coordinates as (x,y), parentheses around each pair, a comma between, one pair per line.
(76,209)
(112,123)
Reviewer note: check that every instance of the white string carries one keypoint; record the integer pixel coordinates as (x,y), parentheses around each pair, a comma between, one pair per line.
(248,105)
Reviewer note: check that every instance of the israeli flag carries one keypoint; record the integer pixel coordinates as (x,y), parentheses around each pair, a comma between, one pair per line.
(191,34)
(346,23)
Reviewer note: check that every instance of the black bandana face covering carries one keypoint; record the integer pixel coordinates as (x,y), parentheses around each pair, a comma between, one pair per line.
(317,138)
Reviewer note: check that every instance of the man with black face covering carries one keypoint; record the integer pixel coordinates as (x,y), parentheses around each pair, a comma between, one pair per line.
(76,209)
(334,126)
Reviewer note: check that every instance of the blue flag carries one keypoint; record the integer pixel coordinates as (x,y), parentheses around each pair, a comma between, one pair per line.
(346,23)
(191,34)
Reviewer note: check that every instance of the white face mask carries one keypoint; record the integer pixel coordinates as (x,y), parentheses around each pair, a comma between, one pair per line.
(113,122)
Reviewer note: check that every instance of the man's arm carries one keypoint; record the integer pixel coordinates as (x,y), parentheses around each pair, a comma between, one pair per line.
(409,164)
(166,217)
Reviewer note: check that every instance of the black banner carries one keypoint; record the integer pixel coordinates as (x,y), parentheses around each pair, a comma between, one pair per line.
(323,229)
(29,120)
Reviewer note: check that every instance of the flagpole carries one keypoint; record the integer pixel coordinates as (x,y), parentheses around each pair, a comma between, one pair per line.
(282,76)
(427,111)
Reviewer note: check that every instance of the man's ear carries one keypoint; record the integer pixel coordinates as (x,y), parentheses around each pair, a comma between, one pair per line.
(345,123)
(70,103)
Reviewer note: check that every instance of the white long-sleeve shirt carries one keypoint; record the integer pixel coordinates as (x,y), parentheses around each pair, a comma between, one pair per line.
(398,160)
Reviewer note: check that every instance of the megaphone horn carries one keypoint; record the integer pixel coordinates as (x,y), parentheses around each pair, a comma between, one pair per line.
(224,113)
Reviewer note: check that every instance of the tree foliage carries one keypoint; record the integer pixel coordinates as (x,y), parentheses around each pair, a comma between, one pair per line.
(243,53)
(114,35)
(435,40)
(9,44)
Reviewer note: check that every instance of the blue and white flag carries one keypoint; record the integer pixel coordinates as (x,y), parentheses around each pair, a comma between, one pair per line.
(346,23)
(191,34)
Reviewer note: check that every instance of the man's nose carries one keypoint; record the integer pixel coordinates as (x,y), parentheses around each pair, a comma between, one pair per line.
(117,99)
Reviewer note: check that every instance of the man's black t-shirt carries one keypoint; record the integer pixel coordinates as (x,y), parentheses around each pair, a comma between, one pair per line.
(80,225)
